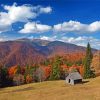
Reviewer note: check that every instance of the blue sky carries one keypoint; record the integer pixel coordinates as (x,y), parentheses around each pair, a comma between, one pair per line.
(73,21)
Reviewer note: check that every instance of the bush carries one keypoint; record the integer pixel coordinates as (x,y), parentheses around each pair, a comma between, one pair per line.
(18,79)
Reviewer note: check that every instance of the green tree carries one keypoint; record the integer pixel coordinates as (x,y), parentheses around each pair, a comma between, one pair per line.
(88,73)
(47,62)
(55,74)
(18,70)
(31,71)
(26,71)
(4,77)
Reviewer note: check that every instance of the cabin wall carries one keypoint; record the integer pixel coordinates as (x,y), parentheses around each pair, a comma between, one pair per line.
(72,82)
(69,81)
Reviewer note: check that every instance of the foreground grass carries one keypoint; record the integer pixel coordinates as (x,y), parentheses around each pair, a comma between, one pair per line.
(53,90)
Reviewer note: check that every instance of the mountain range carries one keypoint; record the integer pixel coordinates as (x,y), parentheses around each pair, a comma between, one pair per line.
(28,51)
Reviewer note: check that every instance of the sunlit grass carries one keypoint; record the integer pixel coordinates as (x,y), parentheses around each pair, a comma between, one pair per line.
(53,90)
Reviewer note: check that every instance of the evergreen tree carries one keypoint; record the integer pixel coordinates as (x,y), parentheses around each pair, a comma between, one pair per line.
(31,72)
(18,70)
(55,74)
(4,77)
(26,71)
(47,62)
(88,73)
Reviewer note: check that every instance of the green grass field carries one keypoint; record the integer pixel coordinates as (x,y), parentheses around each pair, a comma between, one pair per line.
(53,90)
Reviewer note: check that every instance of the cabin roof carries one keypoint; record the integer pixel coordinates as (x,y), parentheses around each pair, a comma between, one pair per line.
(74,76)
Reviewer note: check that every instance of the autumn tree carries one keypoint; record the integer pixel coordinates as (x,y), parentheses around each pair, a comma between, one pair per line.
(47,71)
(40,74)
(18,77)
(88,73)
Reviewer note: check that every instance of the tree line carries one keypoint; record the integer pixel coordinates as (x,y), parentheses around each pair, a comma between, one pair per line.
(58,69)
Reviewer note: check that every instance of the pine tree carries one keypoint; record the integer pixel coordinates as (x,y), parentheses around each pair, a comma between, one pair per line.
(88,73)
(55,74)
(18,70)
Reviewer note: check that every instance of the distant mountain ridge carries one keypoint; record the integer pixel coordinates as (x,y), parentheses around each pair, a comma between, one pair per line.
(28,51)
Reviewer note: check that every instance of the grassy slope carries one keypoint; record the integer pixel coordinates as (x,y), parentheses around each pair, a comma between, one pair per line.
(53,90)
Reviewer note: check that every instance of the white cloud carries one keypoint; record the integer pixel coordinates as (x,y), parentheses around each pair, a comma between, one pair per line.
(51,38)
(44,38)
(70,26)
(32,27)
(23,13)
(4,28)
(82,41)
(19,13)
(45,9)
(77,27)
(95,26)
(1,39)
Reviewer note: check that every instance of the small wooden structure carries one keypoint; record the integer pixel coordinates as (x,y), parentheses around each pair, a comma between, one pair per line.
(74,78)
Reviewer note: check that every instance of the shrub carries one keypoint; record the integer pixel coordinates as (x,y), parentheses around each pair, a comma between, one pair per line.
(18,79)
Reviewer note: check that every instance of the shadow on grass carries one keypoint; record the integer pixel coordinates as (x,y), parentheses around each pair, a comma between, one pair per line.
(83,82)
(20,90)
(25,89)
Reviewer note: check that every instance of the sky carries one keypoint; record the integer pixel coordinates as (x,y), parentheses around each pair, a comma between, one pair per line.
(72,21)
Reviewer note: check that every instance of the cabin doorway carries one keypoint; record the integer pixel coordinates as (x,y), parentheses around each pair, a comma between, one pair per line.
(69,81)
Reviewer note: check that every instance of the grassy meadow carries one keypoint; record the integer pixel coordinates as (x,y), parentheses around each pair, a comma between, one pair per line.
(53,90)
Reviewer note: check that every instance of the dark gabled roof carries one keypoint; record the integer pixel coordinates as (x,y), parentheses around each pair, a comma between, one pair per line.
(74,75)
